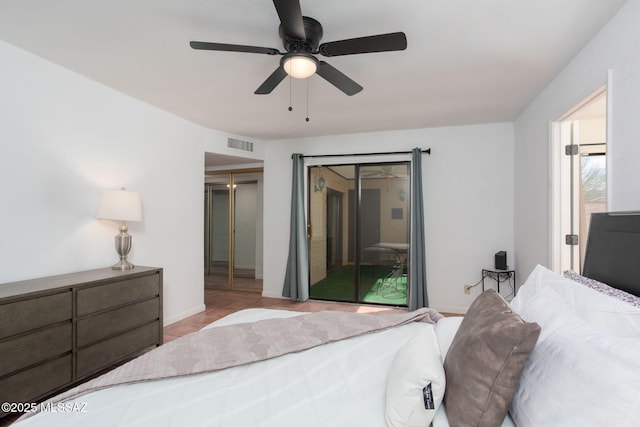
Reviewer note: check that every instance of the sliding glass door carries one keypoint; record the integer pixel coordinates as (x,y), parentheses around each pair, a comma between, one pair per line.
(359,232)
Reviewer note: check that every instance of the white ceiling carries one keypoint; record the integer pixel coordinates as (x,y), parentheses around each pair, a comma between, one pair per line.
(467,61)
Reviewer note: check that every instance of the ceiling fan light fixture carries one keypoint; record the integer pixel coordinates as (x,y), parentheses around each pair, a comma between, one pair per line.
(300,65)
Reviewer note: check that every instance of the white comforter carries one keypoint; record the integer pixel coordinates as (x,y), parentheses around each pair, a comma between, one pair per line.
(349,377)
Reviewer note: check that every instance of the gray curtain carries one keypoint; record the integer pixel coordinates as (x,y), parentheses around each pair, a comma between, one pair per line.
(296,280)
(417,267)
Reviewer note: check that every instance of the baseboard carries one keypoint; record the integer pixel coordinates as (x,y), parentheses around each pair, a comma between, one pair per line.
(272,295)
(450,309)
(173,319)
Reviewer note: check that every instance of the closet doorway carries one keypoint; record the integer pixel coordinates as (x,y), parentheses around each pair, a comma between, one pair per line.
(233,230)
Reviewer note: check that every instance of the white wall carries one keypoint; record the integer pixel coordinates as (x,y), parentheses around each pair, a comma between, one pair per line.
(616,48)
(65,138)
(468,186)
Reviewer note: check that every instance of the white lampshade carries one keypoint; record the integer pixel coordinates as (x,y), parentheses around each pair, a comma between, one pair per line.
(120,205)
(300,66)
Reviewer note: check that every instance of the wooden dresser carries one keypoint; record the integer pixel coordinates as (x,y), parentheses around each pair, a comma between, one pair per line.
(57,331)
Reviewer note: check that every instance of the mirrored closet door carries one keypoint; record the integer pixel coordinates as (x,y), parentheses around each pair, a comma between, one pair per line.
(233,230)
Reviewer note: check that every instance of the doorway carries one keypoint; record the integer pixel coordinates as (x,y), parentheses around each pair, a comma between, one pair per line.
(579,147)
(233,230)
(359,232)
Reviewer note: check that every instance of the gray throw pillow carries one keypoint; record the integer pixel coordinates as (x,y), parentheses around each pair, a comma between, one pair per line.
(485,361)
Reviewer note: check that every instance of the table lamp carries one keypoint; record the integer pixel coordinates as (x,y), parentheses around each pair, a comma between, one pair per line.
(121,205)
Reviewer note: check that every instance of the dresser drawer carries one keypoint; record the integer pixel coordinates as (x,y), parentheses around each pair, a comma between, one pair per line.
(35,383)
(97,298)
(29,349)
(113,350)
(34,313)
(100,326)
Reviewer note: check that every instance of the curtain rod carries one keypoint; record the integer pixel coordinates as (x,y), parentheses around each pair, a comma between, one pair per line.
(389,153)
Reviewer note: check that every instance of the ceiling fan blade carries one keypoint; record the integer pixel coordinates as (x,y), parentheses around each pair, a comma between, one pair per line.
(338,79)
(233,48)
(379,43)
(291,18)
(272,81)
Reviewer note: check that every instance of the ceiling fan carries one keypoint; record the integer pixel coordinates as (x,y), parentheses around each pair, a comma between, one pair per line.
(301,39)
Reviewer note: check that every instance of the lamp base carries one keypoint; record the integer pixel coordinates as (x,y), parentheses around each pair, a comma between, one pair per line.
(123,264)
(123,246)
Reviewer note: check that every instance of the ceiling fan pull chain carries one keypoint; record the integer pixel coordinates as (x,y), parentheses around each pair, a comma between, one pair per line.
(307,119)
(290,107)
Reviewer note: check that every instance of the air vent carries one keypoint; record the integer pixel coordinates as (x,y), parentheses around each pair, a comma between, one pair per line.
(239,144)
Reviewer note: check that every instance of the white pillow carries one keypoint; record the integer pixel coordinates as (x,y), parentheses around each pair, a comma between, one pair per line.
(576,375)
(416,365)
(446,329)
(608,314)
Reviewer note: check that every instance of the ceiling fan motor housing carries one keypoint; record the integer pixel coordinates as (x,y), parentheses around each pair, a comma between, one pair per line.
(313,34)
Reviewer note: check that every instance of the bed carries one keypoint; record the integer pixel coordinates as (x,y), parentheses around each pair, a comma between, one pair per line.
(574,359)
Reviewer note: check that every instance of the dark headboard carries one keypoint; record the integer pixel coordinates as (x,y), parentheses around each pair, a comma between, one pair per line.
(613,250)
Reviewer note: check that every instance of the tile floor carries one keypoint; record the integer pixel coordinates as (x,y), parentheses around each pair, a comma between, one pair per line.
(220,303)
(221,282)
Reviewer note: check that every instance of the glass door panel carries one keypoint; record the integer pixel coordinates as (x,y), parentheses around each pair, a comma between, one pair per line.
(384,233)
(332,274)
(593,188)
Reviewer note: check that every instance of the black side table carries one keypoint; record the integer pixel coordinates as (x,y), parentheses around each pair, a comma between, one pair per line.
(500,276)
